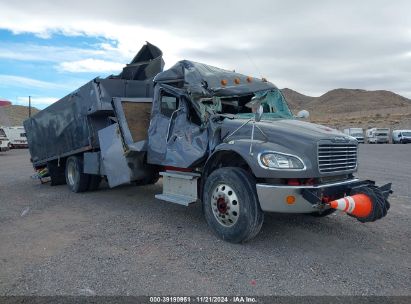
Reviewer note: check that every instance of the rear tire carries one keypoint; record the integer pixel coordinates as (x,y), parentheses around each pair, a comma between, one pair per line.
(230,205)
(76,179)
(57,173)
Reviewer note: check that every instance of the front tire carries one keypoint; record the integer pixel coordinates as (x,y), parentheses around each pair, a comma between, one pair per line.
(76,179)
(230,205)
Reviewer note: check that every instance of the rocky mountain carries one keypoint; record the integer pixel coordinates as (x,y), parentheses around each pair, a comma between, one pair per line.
(346,101)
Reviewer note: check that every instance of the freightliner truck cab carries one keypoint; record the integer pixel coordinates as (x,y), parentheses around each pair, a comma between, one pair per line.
(228,141)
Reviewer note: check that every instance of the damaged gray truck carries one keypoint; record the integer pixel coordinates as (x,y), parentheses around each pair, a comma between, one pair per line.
(217,137)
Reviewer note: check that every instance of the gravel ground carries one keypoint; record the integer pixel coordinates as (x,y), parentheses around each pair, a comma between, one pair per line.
(124,242)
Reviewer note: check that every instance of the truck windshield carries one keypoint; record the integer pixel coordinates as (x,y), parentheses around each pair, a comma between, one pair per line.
(274,105)
(406,134)
(357,135)
(381,134)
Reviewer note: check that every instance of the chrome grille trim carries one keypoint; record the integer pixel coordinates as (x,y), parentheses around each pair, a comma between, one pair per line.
(337,157)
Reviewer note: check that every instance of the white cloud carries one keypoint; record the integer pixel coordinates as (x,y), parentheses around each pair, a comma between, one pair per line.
(35,52)
(311,46)
(25,82)
(89,65)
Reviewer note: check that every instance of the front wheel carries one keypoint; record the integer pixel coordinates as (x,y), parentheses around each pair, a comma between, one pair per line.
(231,206)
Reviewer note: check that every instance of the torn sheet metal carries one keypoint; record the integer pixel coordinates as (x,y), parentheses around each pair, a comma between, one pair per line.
(112,153)
(202,80)
(175,141)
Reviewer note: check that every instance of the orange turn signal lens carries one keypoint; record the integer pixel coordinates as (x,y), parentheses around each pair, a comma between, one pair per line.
(290,199)
(249,79)
(237,80)
(224,82)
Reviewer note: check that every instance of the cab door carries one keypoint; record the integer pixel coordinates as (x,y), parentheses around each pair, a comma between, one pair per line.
(173,138)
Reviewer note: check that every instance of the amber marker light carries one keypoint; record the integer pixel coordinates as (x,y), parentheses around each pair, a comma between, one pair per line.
(224,82)
(290,199)
(249,79)
(237,80)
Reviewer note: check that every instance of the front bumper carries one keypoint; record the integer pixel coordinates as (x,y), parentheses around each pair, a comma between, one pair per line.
(273,198)
(4,149)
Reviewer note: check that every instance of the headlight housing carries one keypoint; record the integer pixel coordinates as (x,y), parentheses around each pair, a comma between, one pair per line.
(280,161)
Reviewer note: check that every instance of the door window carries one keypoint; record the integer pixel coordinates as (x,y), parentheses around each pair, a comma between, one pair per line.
(168,104)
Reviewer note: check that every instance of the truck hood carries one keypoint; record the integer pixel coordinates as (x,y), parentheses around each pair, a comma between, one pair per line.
(282,131)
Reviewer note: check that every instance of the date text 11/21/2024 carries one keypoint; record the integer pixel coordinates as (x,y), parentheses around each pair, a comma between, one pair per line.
(203,299)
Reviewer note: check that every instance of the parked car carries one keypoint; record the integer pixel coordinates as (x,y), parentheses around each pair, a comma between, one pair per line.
(16,136)
(401,136)
(4,141)
(357,133)
(378,136)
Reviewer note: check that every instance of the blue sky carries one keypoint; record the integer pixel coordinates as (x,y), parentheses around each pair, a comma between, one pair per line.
(48,48)
(40,67)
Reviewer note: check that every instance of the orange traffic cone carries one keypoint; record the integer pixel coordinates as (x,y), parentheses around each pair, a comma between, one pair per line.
(359,205)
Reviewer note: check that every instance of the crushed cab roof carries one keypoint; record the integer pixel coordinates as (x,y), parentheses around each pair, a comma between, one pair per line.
(202,77)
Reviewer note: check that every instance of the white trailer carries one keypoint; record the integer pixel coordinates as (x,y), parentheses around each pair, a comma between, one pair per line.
(378,136)
(4,142)
(401,136)
(16,136)
(357,133)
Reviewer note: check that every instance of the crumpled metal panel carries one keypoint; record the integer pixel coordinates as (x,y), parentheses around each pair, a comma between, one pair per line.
(203,80)
(186,143)
(112,153)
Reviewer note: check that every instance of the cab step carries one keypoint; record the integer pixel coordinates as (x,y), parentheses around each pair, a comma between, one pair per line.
(179,187)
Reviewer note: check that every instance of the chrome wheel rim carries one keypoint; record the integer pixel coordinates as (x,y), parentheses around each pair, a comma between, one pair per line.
(71,173)
(225,205)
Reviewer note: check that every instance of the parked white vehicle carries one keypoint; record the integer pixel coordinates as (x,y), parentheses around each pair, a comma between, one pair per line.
(378,136)
(401,136)
(357,133)
(16,136)
(4,142)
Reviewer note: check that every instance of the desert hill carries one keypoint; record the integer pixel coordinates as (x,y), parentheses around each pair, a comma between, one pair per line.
(346,100)
(14,115)
(343,108)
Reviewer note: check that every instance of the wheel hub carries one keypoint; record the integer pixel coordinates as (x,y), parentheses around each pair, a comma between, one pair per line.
(221,205)
(225,205)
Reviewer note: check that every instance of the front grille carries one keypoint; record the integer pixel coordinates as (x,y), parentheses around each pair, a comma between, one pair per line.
(336,157)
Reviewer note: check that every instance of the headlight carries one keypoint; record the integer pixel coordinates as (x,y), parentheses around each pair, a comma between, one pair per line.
(274,160)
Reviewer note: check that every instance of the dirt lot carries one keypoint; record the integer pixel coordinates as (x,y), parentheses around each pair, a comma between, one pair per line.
(123,241)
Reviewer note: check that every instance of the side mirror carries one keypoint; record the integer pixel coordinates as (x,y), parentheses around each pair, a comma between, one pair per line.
(303,114)
(259,113)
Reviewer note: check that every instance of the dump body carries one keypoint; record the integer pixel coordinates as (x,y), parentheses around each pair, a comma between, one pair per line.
(71,125)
